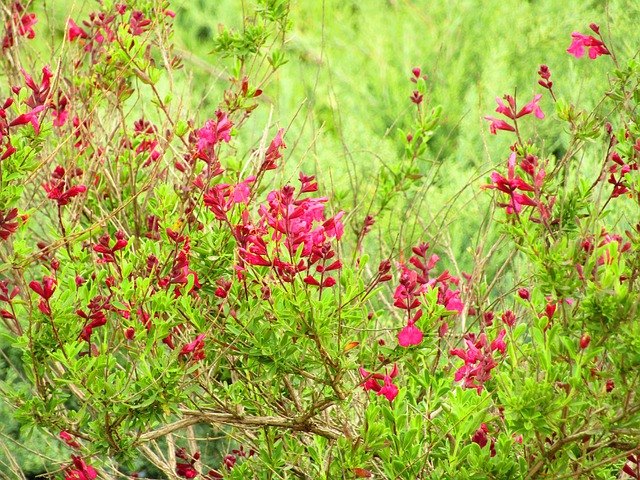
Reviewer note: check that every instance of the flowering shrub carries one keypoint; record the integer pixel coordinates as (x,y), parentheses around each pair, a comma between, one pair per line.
(164,291)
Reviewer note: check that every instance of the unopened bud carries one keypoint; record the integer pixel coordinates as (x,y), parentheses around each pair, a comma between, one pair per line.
(585,340)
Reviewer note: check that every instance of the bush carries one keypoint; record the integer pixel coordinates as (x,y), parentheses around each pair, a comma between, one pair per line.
(170,309)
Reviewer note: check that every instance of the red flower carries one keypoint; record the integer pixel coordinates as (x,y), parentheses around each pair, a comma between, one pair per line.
(585,340)
(196,347)
(498,343)
(388,389)
(509,111)
(75,31)
(186,470)
(524,294)
(478,359)
(57,188)
(7,227)
(480,437)
(509,318)
(632,471)
(138,24)
(29,117)
(82,471)
(497,124)
(46,289)
(510,186)
(68,439)
(24,23)
(273,152)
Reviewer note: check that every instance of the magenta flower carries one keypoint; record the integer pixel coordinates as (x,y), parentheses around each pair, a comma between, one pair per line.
(498,343)
(215,131)
(82,471)
(532,106)
(68,439)
(196,347)
(510,186)
(497,124)
(595,46)
(478,359)
(29,117)
(411,335)
(388,389)
(75,31)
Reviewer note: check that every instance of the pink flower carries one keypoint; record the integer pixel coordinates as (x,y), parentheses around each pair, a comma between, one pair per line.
(60,118)
(579,42)
(389,390)
(215,131)
(411,335)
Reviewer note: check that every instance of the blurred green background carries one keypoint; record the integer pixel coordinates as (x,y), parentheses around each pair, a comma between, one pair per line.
(344,95)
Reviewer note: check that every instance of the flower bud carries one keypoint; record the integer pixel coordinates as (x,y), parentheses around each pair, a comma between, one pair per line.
(585,340)
(524,294)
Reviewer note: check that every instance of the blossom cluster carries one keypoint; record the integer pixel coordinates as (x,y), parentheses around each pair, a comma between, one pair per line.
(595,47)
(416,281)
(20,23)
(478,359)
(510,111)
